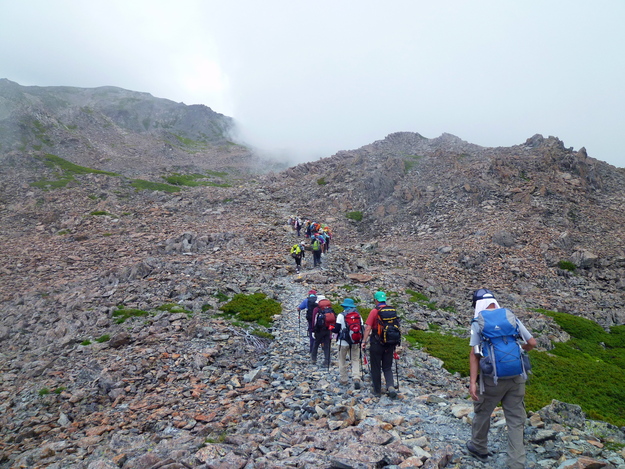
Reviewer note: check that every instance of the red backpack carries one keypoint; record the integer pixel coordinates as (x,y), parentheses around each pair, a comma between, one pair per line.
(326,318)
(353,328)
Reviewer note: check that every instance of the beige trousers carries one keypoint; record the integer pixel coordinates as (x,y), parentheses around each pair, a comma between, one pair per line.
(353,352)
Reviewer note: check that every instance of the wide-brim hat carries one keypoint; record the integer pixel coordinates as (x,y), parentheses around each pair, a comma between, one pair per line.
(348,303)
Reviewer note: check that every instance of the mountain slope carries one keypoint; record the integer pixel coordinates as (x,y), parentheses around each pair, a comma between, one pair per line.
(115,130)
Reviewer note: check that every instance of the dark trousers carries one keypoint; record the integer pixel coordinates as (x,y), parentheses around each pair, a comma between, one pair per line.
(381,362)
(316,258)
(324,339)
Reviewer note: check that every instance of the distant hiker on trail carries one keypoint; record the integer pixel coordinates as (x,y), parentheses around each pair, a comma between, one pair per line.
(298,251)
(383,327)
(324,321)
(298,226)
(316,245)
(327,234)
(350,330)
(493,330)
(309,304)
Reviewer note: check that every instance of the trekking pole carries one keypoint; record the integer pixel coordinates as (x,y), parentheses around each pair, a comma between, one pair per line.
(362,371)
(366,362)
(396,357)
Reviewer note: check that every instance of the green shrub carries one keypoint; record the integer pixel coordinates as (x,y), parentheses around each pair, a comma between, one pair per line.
(423,300)
(99,213)
(85,342)
(454,351)
(141,185)
(104,338)
(252,308)
(59,390)
(567,265)
(65,172)
(263,334)
(44,392)
(122,314)
(191,180)
(221,296)
(321,181)
(417,297)
(356,216)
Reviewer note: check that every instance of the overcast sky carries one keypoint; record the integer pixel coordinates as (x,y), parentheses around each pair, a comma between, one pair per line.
(309,78)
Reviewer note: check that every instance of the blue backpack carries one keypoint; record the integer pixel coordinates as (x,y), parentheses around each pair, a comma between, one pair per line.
(502,355)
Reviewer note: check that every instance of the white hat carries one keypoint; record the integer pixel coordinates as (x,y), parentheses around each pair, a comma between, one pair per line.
(320,297)
(484,303)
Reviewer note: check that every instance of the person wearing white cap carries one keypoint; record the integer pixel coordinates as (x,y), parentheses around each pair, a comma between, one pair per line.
(510,391)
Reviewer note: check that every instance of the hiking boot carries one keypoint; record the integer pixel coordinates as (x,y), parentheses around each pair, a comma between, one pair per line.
(343,383)
(473,452)
(376,393)
(392,393)
(357,384)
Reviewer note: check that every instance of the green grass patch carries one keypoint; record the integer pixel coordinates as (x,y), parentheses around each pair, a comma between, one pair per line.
(356,215)
(588,370)
(66,171)
(104,338)
(322,181)
(85,342)
(142,185)
(454,351)
(567,265)
(98,213)
(221,296)
(122,314)
(174,308)
(252,308)
(191,180)
(411,161)
(263,334)
(44,392)
(417,297)
(69,168)
(423,300)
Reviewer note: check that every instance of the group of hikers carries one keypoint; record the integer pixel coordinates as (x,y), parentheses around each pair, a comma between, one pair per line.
(381,330)
(319,236)
(498,361)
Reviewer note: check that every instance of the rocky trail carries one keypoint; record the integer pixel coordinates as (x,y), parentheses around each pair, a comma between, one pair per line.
(179,391)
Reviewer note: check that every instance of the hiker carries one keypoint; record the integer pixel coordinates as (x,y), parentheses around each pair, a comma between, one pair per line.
(491,390)
(309,304)
(298,226)
(316,244)
(328,236)
(298,251)
(324,321)
(350,329)
(383,327)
